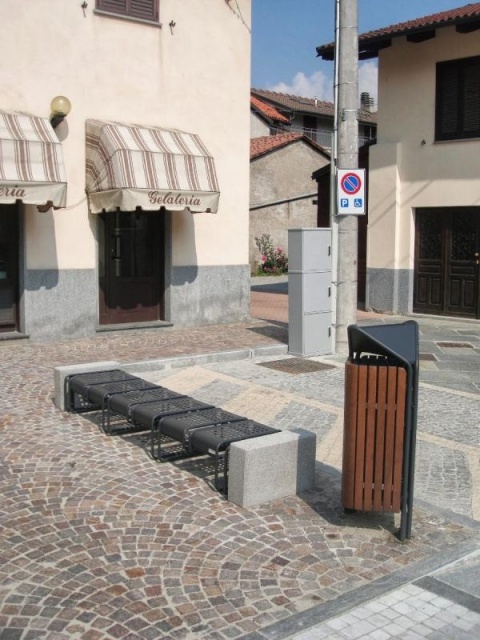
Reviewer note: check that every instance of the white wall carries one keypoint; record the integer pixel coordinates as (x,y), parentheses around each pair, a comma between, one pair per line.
(194,76)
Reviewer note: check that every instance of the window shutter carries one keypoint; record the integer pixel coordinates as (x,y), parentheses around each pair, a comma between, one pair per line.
(447,110)
(145,9)
(142,9)
(458,99)
(113,6)
(471,100)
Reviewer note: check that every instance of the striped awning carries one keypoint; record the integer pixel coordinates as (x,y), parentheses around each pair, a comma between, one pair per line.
(131,166)
(31,161)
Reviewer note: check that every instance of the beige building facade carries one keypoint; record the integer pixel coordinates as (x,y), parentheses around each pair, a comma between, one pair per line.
(423,238)
(157,232)
(422,188)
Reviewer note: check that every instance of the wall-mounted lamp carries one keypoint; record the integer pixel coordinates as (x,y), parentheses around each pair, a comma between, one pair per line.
(60,107)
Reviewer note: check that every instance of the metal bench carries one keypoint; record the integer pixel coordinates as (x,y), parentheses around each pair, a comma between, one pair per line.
(216,440)
(211,432)
(77,386)
(179,427)
(199,428)
(150,414)
(122,404)
(95,390)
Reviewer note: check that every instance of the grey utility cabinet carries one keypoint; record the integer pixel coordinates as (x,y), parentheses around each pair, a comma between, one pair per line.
(309,291)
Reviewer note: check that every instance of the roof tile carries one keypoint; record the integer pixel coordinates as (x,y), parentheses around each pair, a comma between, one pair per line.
(268,110)
(442,18)
(466,14)
(264,144)
(313,106)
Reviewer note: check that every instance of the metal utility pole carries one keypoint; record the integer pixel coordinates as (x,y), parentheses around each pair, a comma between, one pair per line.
(345,227)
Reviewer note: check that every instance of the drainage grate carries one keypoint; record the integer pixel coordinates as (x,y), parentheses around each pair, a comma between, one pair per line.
(455,345)
(296,365)
(428,356)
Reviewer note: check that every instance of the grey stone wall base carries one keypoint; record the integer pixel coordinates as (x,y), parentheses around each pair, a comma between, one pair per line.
(64,304)
(390,290)
(271,467)
(59,304)
(209,295)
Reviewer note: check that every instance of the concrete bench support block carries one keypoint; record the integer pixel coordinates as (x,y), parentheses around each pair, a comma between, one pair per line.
(271,467)
(60,373)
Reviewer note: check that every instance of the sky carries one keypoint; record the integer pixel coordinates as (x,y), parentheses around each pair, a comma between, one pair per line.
(285,34)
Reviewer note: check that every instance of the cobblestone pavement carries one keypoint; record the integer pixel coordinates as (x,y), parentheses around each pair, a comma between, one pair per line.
(98,541)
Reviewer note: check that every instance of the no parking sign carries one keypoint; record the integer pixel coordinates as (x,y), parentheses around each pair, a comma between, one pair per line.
(351,191)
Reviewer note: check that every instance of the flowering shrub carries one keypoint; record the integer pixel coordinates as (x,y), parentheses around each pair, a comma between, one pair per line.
(273,261)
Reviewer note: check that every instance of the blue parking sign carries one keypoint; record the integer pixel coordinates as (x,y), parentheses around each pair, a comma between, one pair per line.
(344,202)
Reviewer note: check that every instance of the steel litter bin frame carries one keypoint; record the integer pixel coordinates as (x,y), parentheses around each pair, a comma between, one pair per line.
(394,345)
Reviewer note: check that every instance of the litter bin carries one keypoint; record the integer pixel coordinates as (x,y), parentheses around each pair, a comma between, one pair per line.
(381,396)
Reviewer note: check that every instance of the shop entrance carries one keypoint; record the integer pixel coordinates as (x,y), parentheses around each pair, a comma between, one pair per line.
(447,259)
(131,259)
(9,229)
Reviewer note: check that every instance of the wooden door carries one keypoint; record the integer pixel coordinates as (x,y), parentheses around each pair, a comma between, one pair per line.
(447,246)
(9,225)
(131,258)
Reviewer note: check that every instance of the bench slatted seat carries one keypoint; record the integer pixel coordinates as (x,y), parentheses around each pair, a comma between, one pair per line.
(122,403)
(149,415)
(77,385)
(216,440)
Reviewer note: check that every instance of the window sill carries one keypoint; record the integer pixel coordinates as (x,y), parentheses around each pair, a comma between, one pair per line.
(472,139)
(119,16)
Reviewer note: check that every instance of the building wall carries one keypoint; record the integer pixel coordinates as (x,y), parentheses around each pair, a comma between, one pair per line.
(407,168)
(278,176)
(127,71)
(258,127)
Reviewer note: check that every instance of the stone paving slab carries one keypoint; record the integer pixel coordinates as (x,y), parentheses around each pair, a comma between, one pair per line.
(99,541)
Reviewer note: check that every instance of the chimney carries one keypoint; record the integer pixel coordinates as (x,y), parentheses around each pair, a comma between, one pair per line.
(366,101)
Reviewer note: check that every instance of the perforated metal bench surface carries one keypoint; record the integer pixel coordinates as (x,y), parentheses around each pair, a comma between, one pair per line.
(122,404)
(179,427)
(77,386)
(149,415)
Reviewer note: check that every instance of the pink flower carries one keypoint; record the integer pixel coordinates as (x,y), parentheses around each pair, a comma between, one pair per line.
(263,258)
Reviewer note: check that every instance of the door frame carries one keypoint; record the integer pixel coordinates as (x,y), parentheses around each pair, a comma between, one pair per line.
(440,270)
(14,231)
(159,243)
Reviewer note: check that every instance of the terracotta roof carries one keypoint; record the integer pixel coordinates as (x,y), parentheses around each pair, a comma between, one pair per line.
(295,103)
(267,110)
(466,18)
(265,144)
(288,103)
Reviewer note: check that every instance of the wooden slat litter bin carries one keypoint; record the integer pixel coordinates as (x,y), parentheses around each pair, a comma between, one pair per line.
(374,430)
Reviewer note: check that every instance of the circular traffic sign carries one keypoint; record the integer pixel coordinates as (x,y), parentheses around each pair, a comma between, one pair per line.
(351,183)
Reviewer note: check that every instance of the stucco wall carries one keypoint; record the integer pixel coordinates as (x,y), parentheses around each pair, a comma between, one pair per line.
(258,127)
(408,169)
(280,175)
(114,69)
(177,76)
